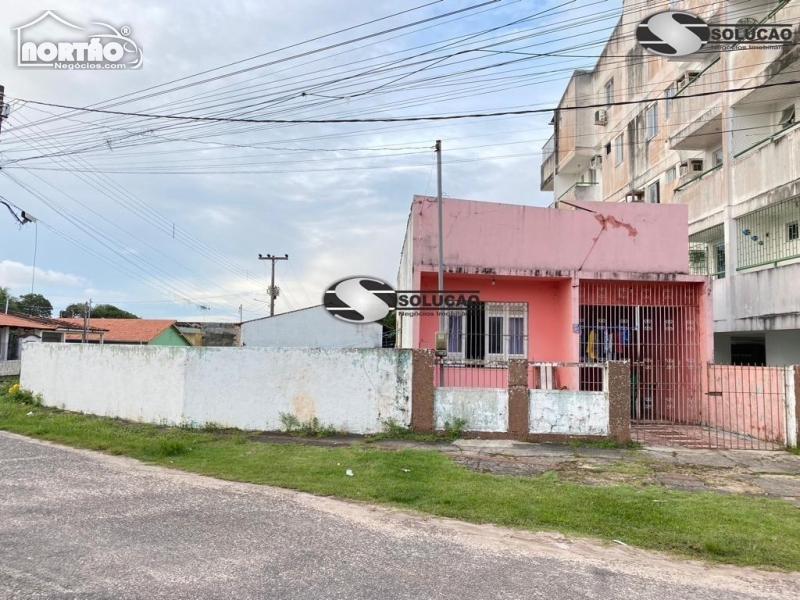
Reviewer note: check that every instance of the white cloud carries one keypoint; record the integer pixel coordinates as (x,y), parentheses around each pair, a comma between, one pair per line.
(16,275)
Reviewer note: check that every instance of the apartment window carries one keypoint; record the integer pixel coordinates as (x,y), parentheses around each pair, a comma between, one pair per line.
(787,117)
(670,175)
(651,121)
(609,91)
(619,149)
(720,252)
(669,93)
(489,331)
(792,231)
(608,148)
(717,157)
(653,193)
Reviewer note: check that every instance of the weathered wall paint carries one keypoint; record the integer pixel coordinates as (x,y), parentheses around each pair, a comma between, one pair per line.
(351,389)
(568,412)
(311,327)
(483,409)
(516,240)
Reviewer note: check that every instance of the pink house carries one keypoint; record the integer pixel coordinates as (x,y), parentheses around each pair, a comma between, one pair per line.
(599,282)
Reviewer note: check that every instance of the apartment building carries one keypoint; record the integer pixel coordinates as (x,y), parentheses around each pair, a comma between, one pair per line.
(717,133)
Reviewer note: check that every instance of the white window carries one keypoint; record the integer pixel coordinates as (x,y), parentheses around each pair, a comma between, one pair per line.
(653,193)
(609,91)
(492,331)
(792,231)
(455,335)
(717,157)
(651,120)
(669,175)
(669,93)
(619,149)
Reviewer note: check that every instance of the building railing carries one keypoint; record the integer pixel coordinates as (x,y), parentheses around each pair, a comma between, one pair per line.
(573,189)
(769,235)
(707,252)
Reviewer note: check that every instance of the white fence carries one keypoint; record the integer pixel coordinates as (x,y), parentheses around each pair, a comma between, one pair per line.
(9,367)
(351,389)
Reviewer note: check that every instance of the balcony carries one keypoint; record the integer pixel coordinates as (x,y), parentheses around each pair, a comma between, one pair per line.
(548,165)
(707,252)
(702,192)
(582,192)
(769,236)
(767,164)
(698,119)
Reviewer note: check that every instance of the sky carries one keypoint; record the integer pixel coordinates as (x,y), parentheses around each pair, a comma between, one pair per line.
(166,218)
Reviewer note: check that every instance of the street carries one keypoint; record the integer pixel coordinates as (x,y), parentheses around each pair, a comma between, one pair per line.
(78,524)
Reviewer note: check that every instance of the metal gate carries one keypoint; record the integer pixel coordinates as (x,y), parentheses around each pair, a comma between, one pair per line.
(653,326)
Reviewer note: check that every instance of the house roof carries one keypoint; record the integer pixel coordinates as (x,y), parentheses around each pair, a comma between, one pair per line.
(15,321)
(288,312)
(42,323)
(133,331)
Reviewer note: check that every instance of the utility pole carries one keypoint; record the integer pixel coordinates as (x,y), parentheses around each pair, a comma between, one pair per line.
(240,313)
(87,314)
(442,325)
(272,291)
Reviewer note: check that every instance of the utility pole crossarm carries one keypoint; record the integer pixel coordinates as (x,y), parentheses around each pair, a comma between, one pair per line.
(272,291)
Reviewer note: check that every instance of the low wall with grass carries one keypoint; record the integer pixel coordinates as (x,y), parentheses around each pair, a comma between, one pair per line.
(352,390)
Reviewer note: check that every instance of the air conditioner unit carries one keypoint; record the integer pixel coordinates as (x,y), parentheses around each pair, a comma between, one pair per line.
(635,196)
(686,78)
(600,117)
(596,162)
(693,166)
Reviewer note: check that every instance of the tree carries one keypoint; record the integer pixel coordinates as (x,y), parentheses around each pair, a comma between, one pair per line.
(35,305)
(101,311)
(109,311)
(13,305)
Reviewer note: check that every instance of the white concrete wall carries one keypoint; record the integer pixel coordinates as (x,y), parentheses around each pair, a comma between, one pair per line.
(351,389)
(568,412)
(311,327)
(484,409)
(9,367)
(140,383)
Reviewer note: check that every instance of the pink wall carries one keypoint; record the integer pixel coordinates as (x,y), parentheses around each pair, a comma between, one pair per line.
(550,336)
(516,239)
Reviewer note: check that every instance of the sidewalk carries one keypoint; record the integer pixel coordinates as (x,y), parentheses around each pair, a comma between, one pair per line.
(774,474)
(752,472)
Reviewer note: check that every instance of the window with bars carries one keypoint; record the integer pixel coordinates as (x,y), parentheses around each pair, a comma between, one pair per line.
(489,331)
(619,149)
(707,252)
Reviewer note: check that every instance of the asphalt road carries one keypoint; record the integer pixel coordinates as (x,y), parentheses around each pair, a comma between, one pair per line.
(76,524)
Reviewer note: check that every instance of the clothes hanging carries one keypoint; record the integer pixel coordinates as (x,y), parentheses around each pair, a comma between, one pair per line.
(590,346)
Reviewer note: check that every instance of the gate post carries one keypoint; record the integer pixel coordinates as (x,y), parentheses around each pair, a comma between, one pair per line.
(422,390)
(518,403)
(619,401)
(792,402)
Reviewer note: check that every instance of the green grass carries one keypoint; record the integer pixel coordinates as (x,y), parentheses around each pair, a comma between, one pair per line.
(719,528)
